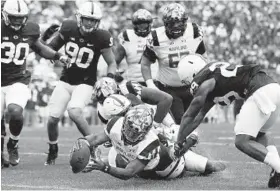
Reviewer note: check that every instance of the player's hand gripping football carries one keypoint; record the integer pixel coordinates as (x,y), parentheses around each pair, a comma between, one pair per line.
(95,162)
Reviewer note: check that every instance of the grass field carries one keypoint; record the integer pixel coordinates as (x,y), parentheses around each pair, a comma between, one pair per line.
(216,142)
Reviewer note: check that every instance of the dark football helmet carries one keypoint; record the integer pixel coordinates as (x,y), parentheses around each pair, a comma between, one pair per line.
(142,22)
(175,20)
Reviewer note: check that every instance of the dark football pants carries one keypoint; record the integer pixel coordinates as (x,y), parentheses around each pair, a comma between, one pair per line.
(181,100)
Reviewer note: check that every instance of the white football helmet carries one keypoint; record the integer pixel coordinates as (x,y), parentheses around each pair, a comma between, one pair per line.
(91,12)
(189,66)
(15,14)
(116,105)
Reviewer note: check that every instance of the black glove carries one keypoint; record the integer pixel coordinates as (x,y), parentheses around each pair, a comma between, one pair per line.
(117,77)
(50,31)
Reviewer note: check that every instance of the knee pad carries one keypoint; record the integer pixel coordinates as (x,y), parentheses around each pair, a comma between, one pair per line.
(15,111)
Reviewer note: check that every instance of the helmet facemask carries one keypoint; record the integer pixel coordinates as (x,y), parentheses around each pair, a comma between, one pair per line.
(175,20)
(175,28)
(15,14)
(137,123)
(142,29)
(142,22)
(87,24)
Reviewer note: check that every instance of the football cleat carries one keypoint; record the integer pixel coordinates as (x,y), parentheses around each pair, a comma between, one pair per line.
(52,155)
(4,162)
(274,180)
(12,147)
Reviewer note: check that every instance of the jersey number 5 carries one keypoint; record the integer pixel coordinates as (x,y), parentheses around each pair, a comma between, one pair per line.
(14,53)
(227,69)
(81,56)
(175,58)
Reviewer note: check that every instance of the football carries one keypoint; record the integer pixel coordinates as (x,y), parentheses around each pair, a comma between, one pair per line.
(79,155)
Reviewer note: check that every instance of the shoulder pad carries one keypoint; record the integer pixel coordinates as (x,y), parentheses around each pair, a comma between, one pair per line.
(150,151)
(67,26)
(105,39)
(125,36)
(31,29)
(155,38)
(196,30)
(111,124)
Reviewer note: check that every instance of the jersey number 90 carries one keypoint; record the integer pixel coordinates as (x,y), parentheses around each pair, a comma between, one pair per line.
(81,56)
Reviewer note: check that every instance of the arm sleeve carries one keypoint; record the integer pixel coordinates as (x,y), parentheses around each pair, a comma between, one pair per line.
(57,42)
(196,33)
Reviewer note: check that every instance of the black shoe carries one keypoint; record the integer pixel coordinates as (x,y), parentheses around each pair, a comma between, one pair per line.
(12,147)
(52,155)
(274,180)
(4,162)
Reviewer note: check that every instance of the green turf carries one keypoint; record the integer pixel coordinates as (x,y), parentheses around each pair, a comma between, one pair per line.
(216,142)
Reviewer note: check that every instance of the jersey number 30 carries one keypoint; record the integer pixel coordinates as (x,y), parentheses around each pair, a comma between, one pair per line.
(14,53)
(81,56)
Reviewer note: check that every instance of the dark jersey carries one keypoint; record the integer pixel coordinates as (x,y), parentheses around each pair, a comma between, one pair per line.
(15,46)
(232,81)
(84,52)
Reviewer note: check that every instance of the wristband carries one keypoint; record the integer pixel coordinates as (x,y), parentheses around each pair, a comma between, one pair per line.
(110,75)
(106,168)
(56,56)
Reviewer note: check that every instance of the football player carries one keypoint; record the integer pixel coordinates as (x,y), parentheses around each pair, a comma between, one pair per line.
(137,150)
(18,36)
(132,43)
(222,83)
(84,42)
(170,43)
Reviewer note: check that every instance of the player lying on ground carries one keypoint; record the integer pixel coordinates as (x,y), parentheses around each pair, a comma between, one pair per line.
(17,38)
(137,150)
(136,93)
(222,83)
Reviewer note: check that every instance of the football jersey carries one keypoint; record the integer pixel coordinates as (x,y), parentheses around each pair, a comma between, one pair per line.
(149,149)
(232,81)
(134,47)
(84,52)
(168,52)
(15,47)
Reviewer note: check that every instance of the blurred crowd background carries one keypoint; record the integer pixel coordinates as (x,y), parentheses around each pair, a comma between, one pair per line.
(239,32)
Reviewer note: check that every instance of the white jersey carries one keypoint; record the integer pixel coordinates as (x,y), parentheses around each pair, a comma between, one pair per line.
(134,47)
(147,149)
(168,52)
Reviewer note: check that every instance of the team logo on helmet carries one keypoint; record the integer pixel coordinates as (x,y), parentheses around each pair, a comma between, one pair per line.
(103,88)
(137,123)
(175,20)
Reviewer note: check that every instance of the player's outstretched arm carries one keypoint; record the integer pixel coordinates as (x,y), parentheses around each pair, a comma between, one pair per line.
(134,167)
(97,139)
(161,99)
(189,121)
(109,57)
